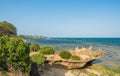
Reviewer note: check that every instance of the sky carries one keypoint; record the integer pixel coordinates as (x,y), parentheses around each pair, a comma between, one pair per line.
(63,18)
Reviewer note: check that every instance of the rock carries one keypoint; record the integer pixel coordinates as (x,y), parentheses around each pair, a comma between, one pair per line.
(86,56)
(99,53)
(90,48)
(56,70)
(69,74)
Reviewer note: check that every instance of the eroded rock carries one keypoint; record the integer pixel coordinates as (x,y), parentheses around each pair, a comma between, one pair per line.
(86,56)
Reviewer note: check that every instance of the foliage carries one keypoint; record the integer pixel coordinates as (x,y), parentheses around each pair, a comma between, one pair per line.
(47,50)
(65,54)
(3,52)
(38,58)
(74,57)
(7,29)
(18,54)
(15,53)
(34,47)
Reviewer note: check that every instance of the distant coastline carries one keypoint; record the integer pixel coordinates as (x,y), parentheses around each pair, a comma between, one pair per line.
(32,36)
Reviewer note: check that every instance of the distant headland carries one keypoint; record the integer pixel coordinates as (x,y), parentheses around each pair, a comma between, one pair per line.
(31,36)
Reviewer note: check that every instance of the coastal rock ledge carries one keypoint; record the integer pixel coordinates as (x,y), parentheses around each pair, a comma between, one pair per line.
(86,55)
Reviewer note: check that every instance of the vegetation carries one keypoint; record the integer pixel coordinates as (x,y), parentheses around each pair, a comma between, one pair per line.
(7,29)
(65,54)
(14,54)
(106,71)
(47,50)
(38,58)
(31,36)
(34,47)
(74,57)
(3,52)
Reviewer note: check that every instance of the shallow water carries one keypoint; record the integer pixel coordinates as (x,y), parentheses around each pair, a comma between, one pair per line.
(111,46)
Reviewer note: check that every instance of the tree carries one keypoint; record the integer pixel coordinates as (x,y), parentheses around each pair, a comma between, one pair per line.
(14,53)
(34,47)
(7,29)
(47,50)
(65,54)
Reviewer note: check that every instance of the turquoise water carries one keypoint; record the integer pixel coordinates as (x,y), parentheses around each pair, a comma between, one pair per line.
(111,46)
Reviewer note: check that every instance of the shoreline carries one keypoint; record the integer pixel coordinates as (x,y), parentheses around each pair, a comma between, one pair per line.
(111,49)
(92,70)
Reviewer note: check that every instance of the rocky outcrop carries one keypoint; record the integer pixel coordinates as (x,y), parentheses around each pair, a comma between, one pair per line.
(86,56)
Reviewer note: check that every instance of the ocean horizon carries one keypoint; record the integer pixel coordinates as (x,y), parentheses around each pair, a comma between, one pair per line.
(75,40)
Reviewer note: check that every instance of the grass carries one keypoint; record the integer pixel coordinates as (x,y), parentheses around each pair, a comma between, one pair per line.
(106,71)
(98,70)
(17,73)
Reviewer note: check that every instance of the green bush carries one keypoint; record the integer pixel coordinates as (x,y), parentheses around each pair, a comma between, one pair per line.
(47,50)
(37,58)
(74,57)
(3,52)
(18,54)
(65,54)
(34,47)
(14,53)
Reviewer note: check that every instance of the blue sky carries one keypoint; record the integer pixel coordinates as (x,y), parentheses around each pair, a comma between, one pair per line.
(63,18)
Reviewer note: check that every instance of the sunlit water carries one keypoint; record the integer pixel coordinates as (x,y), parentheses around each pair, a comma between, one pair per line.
(111,46)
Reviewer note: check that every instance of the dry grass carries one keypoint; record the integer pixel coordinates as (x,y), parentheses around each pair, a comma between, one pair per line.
(3,73)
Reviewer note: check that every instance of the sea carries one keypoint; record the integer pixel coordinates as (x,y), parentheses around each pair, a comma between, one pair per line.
(110,46)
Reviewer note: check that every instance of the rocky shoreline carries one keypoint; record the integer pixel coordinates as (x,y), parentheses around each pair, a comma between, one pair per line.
(57,66)
(59,70)
(86,56)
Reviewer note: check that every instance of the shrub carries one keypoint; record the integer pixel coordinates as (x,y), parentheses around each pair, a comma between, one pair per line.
(34,47)
(3,52)
(47,50)
(65,54)
(74,57)
(37,58)
(14,53)
(18,54)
